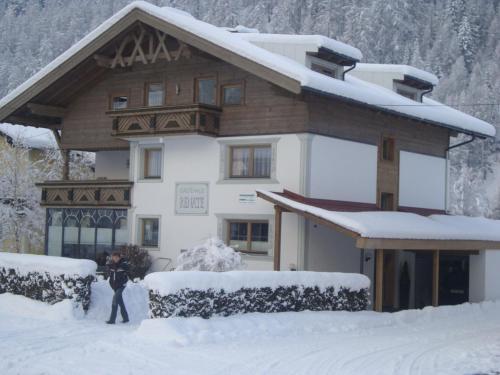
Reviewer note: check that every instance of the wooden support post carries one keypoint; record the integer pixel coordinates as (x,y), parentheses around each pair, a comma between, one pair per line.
(379,279)
(277,237)
(65,171)
(435,278)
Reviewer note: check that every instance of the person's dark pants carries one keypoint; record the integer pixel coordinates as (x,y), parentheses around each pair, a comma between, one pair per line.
(118,301)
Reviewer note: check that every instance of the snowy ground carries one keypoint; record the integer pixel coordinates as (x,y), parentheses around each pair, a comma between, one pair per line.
(36,338)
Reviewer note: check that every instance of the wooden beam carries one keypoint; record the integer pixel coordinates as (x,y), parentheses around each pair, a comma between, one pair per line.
(46,110)
(379,279)
(278,212)
(21,120)
(103,61)
(422,244)
(435,278)
(65,170)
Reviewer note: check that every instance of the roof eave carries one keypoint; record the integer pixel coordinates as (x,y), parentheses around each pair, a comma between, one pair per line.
(396,113)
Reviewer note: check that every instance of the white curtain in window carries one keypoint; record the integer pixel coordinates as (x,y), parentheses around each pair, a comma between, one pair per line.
(153,163)
(241,162)
(262,162)
(156,94)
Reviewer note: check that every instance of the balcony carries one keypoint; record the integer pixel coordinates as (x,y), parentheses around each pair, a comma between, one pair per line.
(193,118)
(92,193)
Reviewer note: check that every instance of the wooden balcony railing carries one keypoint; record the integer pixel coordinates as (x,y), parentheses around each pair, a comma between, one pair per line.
(194,118)
(89,193)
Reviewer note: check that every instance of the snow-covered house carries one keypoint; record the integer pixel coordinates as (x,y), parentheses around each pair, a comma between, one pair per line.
(197,128)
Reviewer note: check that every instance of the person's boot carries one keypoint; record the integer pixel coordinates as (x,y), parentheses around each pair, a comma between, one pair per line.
(125,321)
(109,322)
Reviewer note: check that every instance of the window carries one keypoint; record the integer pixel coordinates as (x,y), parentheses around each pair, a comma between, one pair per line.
(323,70)
(119,102)
(232,94)
(206,89)
(250,161)
(387,201)
(155,94)
(152,163)
(148,232)
(388,147)
(249,236)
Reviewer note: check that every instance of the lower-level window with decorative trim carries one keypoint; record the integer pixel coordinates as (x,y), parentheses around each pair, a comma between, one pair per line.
(149,229)
(249,236)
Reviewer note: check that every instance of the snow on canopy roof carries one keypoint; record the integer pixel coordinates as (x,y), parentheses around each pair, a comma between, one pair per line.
(401,69)
(319,41)
(38,138)
(402,225)
(351,89)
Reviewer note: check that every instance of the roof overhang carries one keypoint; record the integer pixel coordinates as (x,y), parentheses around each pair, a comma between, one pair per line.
(364,242)
(98,39)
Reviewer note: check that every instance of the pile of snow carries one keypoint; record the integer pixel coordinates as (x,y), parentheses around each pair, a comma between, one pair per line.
(402,225)
(135,297)
(20,306)
(257,326)
(165,283)
(29,136)
(54,266)
(213,255)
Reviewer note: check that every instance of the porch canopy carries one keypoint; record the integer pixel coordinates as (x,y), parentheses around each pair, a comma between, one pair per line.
(407,229)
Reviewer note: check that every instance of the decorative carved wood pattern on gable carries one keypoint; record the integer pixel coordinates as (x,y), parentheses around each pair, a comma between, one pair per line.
(144,44)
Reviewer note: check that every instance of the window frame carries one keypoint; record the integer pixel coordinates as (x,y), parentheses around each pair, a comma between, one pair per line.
(252,148)
(147,85)
(196,90)
(241,85)
(143,163)
(390,196)
(391,152)
(140,231)
(113,95)
(249,223)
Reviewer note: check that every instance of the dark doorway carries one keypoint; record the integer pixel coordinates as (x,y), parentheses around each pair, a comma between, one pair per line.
(453,279)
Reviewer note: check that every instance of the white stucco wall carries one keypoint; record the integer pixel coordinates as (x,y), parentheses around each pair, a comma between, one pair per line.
(384,79)
(112,165)
(198,159)
(484,278)
(422,181)
(343,170)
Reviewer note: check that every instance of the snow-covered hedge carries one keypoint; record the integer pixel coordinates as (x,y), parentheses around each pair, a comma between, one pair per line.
(48,279)
(207,294)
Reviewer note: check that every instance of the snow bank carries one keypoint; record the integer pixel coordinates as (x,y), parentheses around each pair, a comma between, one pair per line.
(29,136)
(55,266)
(402,225)
(166,283)
(135,296)
(213,255)
(20,306)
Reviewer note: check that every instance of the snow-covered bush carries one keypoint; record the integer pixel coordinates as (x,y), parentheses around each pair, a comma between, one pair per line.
(139,260)
(48,279)
(213,255)
(206,294)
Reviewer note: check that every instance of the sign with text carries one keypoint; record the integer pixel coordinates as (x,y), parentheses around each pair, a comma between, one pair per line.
(247,198)
(191,198)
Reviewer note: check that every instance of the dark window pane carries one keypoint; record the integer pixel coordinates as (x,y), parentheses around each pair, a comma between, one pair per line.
(120,102)
(260,231)
(388,149)
(232,95)
(387,201)
(238,236)
(206,91)
(152,163)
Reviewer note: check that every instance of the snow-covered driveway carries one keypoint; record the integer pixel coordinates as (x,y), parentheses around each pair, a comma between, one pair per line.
(40,339)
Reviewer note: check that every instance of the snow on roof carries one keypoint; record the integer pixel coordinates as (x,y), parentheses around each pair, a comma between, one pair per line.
(401,69)
(241,29)
(402,225)
(55,266)
(38,138)
(352,89)
(319,41)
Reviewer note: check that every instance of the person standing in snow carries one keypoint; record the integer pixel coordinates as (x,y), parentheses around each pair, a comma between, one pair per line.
(117,271)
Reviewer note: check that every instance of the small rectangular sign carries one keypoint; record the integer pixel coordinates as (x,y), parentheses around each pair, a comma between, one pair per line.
(248,198)
(191,198)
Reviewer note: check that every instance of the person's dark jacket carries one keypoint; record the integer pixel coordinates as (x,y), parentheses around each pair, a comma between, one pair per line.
(117,273)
